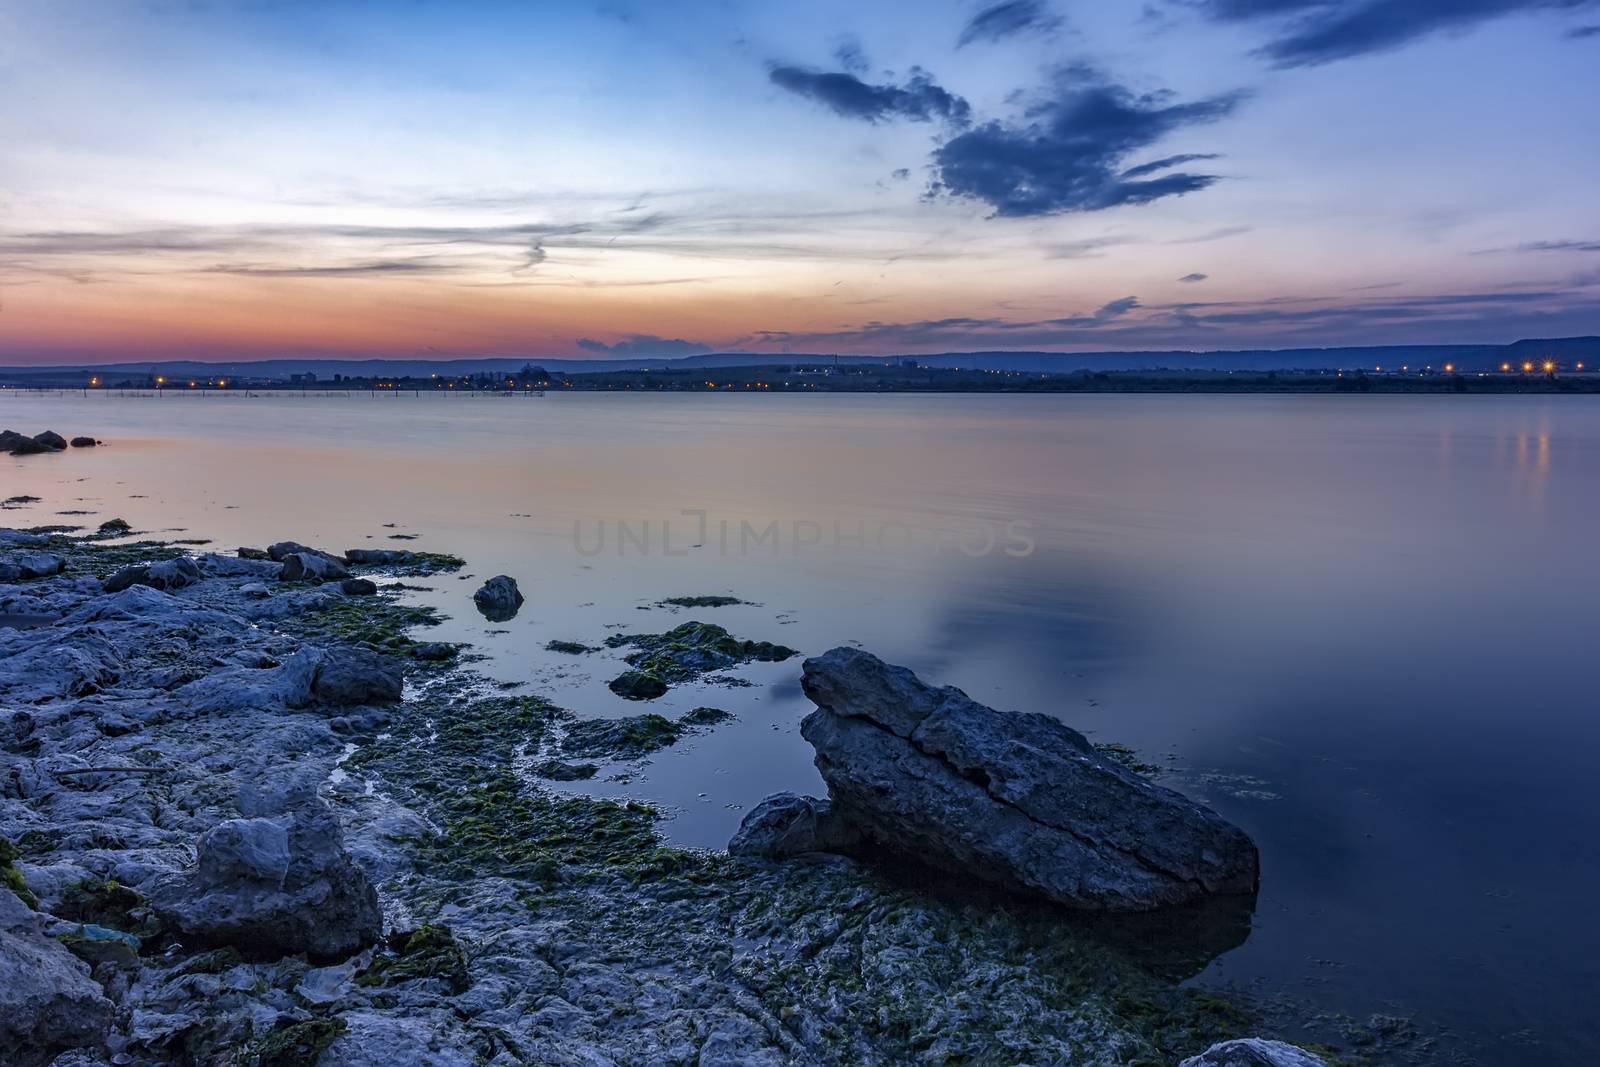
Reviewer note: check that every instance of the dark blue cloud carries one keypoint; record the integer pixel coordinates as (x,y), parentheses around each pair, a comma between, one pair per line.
(1007,19)
(1192,278)
(919,99)
(642,345)
(1578,33)
(1165,164)
(1322,31)
(1069,156)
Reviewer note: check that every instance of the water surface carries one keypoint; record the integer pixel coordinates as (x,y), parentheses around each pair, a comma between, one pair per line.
(1361,627)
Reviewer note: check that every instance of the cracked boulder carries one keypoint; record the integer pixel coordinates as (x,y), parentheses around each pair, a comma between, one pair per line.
(273,885)
(1018,800)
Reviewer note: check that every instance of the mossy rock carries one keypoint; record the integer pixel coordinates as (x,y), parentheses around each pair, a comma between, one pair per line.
(111,904)
(11,878)
(704,717)
(296,1045)
(628,738)
(569,648)
(561,771)
(115,527)
(429,951)
(637,685)
(701,602)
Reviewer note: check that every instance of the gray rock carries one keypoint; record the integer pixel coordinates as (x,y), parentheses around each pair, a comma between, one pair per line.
(499,598)
(358,587)
(1254,1052)
(1019,800)
(216,565)
(272,887)
(26,566)
(283,549)
(787,824)
(433,651)
(167,574)
(255,591)
(306,566)
(349,676)
(48,1002)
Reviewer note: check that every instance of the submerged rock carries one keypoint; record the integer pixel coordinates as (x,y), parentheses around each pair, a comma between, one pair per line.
(499,598)
(1019,800)
(377,556)
(273,886)
(788,824)
(48,1002)
(1254,1052)
(637,685)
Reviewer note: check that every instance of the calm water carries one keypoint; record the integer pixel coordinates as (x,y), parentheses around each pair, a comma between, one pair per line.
(1363,627)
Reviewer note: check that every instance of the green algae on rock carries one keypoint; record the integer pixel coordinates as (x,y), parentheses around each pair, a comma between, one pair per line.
(683,654)
(296,1045)
(429,951)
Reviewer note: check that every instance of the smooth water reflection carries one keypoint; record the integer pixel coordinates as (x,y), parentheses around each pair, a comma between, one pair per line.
(1361,627)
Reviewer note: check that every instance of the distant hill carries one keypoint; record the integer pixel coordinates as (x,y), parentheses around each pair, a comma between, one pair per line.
(1567,350)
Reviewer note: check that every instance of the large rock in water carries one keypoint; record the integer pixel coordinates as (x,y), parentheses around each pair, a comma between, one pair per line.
(274,886)
(1019,800)
(48,1002)
(1254,1052)
(308,566)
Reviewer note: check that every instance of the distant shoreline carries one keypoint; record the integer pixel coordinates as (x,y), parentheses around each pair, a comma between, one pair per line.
(857,380)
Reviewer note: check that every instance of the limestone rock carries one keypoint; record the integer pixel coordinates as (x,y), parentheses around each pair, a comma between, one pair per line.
(1019,800)
(274,886)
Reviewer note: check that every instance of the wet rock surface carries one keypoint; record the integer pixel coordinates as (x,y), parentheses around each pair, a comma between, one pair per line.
(1019,800)
(1254,1052)
(48,1001)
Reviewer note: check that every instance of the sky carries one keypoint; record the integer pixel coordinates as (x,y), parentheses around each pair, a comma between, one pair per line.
(240,179)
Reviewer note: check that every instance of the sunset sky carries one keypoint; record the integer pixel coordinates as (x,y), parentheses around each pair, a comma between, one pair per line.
(254,179)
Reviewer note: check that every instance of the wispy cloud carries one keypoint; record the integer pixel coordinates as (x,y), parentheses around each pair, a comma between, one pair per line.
(920,99)
(1008,19)
(1313,32)
(1193,278)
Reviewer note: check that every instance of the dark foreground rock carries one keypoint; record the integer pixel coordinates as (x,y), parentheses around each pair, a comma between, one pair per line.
(274,885)
(787,824)
(312,566)
(1018,800)
(1254,1052)
(499,598)
(83,442)
(48,1002)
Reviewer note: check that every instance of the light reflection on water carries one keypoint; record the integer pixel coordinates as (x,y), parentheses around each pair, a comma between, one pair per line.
(1361,627)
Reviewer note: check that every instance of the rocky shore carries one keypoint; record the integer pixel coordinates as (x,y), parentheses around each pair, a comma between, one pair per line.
(249,815)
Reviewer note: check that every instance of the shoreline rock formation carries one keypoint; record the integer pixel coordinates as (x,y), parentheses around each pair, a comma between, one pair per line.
(217,790)
(1018,800)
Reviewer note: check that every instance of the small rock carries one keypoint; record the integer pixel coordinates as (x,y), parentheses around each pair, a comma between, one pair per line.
(306,566)
(787,824)
(499,598)
(166,575)
(84,442)
(255,591)
(637,685)
(358,587)
(433,651)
